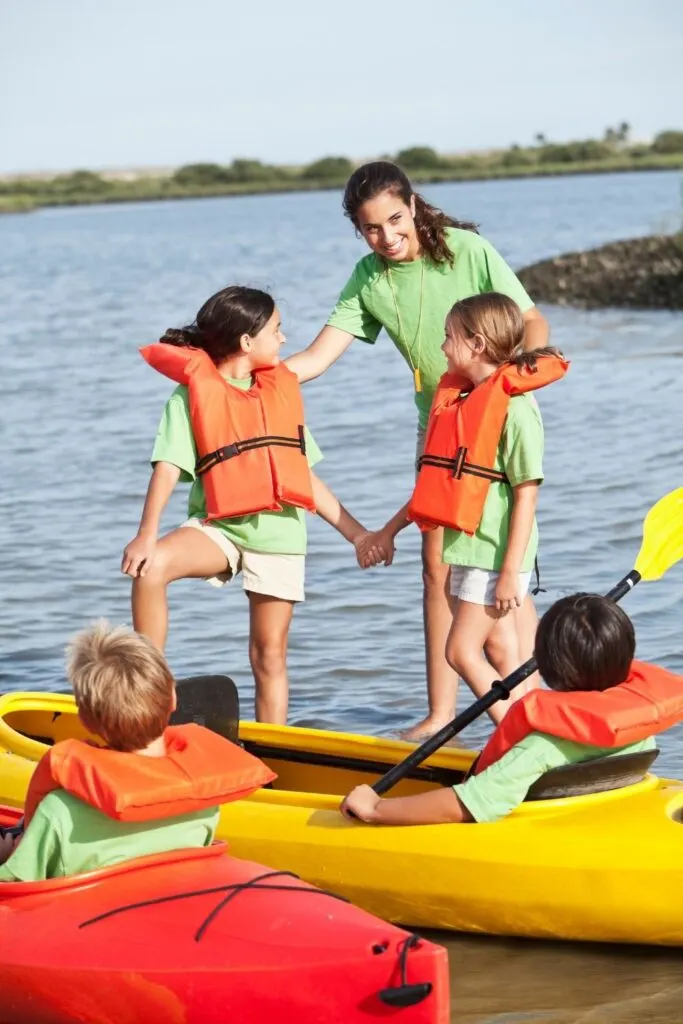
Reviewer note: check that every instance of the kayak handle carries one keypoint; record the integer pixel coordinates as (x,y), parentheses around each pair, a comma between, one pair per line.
(405,994)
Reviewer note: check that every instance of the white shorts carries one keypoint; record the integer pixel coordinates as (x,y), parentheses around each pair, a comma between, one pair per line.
(272,575)
(478,586)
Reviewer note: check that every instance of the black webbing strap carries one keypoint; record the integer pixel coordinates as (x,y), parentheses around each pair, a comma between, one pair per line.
(229,451)
(457,466)
(538,589)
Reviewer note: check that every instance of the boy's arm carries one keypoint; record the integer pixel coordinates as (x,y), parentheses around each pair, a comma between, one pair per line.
(488,796)
(138,555)
(524,498)
(437,807)
(333,512)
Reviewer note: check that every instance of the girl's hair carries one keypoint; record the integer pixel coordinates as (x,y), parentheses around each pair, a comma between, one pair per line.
(584,642)
(371,180)
(222,321)
(498,319)
(122,685)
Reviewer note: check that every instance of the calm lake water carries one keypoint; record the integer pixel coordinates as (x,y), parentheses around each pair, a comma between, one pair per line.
(82,289)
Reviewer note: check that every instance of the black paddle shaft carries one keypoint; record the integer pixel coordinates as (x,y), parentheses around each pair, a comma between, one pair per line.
(500,690)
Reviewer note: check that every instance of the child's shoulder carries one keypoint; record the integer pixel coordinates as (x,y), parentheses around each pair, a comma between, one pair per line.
(60,807)
(524,409)
(178,403)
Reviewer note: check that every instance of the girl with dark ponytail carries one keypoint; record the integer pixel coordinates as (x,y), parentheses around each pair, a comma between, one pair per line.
(421,262)
(248,458)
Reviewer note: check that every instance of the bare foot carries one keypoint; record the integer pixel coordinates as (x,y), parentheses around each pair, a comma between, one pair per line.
(423,730)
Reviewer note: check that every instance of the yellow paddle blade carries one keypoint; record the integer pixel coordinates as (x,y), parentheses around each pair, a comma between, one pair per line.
(662,543)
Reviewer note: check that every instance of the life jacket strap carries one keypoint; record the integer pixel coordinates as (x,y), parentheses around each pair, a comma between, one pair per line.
(229,451)
(457,466)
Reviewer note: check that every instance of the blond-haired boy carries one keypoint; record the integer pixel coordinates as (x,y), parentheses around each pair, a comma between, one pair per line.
(125,694)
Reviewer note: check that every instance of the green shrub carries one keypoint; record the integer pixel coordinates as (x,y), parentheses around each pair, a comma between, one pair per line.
(202,174)
(420,158)
(668,142)
(334,167)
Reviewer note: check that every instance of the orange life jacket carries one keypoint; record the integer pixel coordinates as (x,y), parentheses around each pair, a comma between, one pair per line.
(464,430)
(200,769)
(251,443)
(649,701)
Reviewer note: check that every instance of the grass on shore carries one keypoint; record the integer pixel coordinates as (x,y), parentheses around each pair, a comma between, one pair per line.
(21,195)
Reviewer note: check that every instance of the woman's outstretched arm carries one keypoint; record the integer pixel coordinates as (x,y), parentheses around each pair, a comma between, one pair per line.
(330,344)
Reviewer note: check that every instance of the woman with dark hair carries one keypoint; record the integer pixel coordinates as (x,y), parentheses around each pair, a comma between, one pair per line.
(421,263)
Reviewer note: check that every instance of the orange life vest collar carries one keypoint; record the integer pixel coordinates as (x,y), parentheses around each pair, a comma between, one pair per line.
(463,434)
(200,769)
(649,701)
(251,444)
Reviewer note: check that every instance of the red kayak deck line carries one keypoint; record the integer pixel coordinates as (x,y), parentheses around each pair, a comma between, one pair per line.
(199,937)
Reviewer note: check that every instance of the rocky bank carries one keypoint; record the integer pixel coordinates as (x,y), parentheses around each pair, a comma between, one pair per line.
(642,273)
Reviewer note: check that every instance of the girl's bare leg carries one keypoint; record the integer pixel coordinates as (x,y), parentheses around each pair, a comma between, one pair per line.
(442,681)
(527,624)
(269,620)
(184,553)
(503,650)
(473,626)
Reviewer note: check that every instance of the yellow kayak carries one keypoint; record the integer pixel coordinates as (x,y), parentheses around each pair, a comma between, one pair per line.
(603,866)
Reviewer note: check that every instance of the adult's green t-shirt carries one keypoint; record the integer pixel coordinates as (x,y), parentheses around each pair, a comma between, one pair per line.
(281,533)
(366,304)
(67,837)
(520,458)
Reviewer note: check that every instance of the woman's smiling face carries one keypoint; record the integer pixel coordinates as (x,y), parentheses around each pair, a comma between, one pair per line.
(388,226)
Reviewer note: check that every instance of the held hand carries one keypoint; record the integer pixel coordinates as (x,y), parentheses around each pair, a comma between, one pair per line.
(138,555)
(373,548)
(507,592)
(362,801)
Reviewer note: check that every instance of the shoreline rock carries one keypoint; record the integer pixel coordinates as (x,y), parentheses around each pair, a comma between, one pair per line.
(641,273)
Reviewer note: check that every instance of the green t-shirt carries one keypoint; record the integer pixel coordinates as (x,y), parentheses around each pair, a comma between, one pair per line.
(366,304)
(282,533)
(504,784)
(520,457)
(68,837)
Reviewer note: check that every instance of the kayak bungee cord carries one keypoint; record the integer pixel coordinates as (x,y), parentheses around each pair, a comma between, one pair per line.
(232,890)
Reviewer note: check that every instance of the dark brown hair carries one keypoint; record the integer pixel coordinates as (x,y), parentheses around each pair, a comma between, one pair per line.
(372,179)
(222,321)
(584,642)
(499,320)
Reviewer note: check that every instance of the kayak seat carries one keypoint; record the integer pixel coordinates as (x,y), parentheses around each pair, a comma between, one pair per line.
(597,775)
(211,701)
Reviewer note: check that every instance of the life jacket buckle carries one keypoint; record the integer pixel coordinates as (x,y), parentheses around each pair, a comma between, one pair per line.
(458,463)
(228,451)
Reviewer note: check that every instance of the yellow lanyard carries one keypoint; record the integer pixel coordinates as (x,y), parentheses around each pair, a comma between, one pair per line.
(415,366)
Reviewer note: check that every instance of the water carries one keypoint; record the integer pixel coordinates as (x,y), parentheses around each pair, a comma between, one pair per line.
(81,289)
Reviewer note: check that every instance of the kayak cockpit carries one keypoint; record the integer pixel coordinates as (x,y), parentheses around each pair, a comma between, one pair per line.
(311,761)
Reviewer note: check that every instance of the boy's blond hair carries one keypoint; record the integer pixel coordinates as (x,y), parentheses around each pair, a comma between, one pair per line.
(122,684)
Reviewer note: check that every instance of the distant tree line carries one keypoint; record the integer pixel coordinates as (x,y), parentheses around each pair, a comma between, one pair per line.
(543,156)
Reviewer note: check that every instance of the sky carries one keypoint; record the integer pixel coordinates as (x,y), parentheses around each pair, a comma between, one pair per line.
(155,83)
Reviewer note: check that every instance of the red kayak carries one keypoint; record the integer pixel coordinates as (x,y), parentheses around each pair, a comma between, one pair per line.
(198,937)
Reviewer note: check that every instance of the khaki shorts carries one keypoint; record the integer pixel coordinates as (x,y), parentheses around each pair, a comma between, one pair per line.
(272,575)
